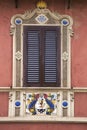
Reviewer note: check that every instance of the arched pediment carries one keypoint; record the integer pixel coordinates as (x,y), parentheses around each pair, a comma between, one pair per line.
(42,17)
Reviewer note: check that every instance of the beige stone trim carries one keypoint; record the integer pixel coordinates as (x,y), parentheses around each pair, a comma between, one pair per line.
(70,112)
(79,89)
(75,89)
(59,110)
(23,105)
(45,119)
(11,109)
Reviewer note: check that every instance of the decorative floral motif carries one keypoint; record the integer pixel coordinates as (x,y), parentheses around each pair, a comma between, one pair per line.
(18,55)
(10,96)
(12,29)
(65,56)
(72,96)
(41,18)
(41,104)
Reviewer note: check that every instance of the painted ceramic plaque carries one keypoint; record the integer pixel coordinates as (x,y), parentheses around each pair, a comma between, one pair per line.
(41,103)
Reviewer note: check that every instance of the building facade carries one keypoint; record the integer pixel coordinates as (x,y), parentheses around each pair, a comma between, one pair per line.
(43,64)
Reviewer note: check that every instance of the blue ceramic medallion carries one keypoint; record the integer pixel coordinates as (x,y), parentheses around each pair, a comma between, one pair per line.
(18,21)
(64,104)
(65,22)
(17,103)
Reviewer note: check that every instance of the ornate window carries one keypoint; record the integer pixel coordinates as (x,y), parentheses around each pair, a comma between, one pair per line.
(42,19)
(41,65)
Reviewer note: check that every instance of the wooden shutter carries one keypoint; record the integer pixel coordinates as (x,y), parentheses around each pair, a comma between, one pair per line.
(33,56)
(31,59)
(50,57)
(41,56)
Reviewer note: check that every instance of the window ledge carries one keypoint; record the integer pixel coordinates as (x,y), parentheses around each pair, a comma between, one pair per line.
(44,119)
(74,89)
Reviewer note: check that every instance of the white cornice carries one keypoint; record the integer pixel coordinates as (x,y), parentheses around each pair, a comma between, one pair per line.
(44,119)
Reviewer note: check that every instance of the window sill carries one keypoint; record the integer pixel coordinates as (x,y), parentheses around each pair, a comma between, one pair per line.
(74,89)
(44,119)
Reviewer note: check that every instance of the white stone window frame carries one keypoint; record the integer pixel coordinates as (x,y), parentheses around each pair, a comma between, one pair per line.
(30,18)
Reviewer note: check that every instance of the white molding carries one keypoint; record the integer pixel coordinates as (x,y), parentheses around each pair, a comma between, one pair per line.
(11,109)
(61,55)
(45,119)
(23,105)
(69,59)
(59,102)
(74,89)
(14,62)
(22,56)
(71,104)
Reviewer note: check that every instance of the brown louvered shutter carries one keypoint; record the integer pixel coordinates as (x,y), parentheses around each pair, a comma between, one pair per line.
(33,56)
(50,61)
(41,56)
(52,56)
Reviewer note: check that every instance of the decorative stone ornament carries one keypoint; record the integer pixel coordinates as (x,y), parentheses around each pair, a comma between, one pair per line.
(65,56)
(18,55)
(41,19)
(41,4)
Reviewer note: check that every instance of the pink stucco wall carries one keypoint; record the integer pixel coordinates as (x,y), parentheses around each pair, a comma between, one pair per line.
(80,105)
(79,44)
(42,126)
(3,104)
(7,10)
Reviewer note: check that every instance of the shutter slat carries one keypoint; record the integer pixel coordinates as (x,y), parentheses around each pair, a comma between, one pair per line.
(50,57)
